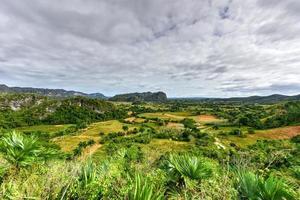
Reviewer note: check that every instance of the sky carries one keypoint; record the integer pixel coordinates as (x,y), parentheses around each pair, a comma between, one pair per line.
(194,48)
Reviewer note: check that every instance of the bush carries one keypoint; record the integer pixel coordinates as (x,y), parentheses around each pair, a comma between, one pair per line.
(23,151)
(184,169)
(101,133)
(189,123)
(251,186)
(296,139)
(251,131)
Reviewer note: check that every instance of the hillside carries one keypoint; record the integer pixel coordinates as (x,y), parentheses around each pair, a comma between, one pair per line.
(29,109)
(145,96)
(48,92)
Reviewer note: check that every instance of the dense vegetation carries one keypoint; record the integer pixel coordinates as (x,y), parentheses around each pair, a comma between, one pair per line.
(80,148)
(21,110)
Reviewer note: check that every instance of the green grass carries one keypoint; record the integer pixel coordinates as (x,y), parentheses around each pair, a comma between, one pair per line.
(44,128)
(158,147)
(107,127)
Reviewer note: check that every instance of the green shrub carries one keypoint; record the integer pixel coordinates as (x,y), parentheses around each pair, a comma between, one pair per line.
(251,186)
(251,131)
(23,151)
(184,169)
(143,189)
(296,139)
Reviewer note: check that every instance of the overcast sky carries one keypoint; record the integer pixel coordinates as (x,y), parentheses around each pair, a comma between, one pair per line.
(211,48)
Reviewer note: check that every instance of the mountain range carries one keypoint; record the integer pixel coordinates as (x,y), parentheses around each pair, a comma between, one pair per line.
(274,98)
(144,96)
(49,92)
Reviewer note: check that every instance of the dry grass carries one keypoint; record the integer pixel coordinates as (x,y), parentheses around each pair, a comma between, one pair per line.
(279,133)
(206,118)
(178,116)
(135,120)
(69,142)
(270,134)
(175,125)
(89,151)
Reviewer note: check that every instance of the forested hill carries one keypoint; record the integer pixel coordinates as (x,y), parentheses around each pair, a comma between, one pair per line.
(145,96)
(30,109)
(48,92)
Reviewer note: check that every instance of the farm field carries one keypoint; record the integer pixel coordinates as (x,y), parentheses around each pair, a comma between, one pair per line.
(178,116)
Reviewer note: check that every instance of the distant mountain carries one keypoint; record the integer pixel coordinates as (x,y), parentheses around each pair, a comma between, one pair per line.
(48,92)
(252,99)
(145,96)
(97,96)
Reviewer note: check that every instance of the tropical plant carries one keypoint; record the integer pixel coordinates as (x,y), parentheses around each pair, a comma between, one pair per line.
(183,168)
(22,151)
(87,173)
(85,186)
(251,186)
(143,189)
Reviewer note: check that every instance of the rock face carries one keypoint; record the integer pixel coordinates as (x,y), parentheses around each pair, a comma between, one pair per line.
(145,96)
(48,92)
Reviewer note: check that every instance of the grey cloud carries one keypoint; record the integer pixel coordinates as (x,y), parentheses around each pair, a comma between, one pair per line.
(231,47)
(292,88)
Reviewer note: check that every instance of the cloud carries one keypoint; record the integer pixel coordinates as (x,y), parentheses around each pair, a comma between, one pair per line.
(184,47)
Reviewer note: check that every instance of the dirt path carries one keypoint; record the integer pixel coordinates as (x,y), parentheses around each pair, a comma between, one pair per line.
(89,151)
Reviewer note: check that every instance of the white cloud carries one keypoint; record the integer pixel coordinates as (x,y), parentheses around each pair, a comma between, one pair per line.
(186,48)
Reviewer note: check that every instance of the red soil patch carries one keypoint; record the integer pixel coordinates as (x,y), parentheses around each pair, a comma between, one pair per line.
(279,133)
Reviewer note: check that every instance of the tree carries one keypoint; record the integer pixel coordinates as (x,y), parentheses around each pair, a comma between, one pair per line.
(189,123)
(125,128)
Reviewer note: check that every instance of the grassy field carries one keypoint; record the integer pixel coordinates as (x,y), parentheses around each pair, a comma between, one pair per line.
(158,147)
(153,150)
(44,128)
(178,116)
(135,120)
(207,119)
(68,143)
